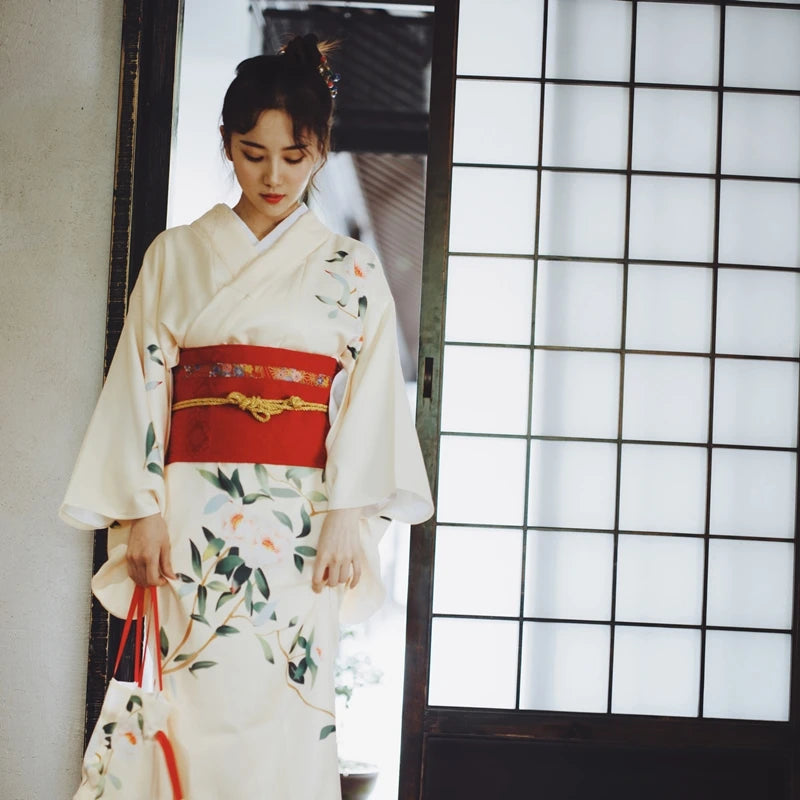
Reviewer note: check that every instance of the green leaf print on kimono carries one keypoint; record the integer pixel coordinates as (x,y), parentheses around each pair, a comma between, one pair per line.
(265,536)
(152,452)
(152,458)
(154,356)
(224,588)
(255,525)
(348,278)
(229,570)
(301,657)
(246,537)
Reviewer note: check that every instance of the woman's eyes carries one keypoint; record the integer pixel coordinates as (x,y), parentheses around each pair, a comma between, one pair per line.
(261,158)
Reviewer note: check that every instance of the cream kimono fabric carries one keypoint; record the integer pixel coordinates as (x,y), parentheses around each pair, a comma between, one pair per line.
(248,648)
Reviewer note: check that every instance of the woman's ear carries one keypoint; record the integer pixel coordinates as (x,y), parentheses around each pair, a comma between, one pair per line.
(226,142)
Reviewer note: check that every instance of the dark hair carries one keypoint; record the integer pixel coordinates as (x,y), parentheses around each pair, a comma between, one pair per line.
(289,81)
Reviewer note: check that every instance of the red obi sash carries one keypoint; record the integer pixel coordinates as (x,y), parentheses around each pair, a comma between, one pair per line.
(247,404)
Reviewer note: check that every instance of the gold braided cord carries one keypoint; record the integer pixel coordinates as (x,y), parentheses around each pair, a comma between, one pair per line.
(261,408)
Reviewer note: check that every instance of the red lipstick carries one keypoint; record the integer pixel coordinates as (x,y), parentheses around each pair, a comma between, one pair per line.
(273,198)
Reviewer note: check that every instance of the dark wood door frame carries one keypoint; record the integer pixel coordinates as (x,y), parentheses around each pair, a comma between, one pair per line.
(434,282)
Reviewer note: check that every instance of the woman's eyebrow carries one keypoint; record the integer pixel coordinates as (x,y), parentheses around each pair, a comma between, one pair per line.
(261,146)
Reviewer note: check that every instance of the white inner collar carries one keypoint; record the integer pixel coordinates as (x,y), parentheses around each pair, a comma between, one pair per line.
(277,231)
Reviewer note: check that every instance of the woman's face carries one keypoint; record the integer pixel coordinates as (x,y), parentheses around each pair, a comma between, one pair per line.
(272,169)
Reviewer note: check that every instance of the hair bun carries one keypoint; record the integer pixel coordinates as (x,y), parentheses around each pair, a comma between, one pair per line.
(303,51)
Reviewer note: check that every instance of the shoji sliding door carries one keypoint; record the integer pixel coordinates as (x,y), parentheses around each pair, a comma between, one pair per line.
(606,602)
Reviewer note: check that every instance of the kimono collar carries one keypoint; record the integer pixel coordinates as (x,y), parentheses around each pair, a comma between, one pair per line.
(234,245)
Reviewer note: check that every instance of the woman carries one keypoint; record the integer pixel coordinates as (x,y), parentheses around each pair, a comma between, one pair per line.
(252,432)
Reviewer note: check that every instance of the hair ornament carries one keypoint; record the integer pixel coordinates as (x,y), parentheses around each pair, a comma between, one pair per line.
(304,51)
(330,77)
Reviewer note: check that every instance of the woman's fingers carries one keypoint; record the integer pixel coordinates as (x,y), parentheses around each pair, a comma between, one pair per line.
(144,568)
(319,578)
(356,574)
(349,573)
(165,562)
(339,573)
(148,555)
(138,568)
(332,573)
(153,573)
(340,555)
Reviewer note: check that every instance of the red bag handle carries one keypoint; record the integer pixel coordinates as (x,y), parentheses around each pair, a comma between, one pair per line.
(172,764)
(137,609)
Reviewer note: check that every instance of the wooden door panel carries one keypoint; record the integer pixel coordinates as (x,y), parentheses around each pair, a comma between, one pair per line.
(473,768)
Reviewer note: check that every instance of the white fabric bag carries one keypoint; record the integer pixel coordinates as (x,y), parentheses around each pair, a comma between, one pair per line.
(129,755)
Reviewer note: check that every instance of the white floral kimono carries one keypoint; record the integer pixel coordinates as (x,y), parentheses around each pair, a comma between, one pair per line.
(248,647)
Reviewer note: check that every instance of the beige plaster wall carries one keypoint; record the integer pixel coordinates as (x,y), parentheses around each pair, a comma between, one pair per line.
(59,62)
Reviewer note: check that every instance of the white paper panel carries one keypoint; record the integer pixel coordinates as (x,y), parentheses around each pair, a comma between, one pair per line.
(506,42)
(663,488)
(578,304)
(672,218)
(496,122)
(660,579)
(568,575)
(747,675)
(473,663)
(481,480)
(760,134)
(761,48)
(582,215)
(666,398)
(470,401)
(575,394)
(656,671)
(564,667)
(755,402)
(674,130)
(750,583)
(669,308)
(468,557)
(753,492)
(585,126)
(572,484)
(760,223)
(758,312)
(505,289)
(589,39)
(677,43)
(492,210)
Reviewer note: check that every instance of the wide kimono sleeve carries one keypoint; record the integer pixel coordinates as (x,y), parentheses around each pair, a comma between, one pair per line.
(119,473)
(374,460)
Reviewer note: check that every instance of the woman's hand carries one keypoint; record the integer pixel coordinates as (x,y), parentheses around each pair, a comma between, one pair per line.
(340,556)
(149,552)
